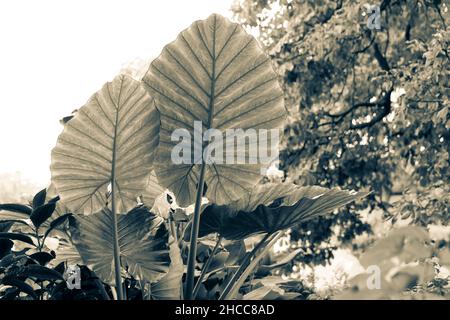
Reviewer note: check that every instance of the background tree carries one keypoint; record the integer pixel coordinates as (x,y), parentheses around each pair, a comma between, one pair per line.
(369,108)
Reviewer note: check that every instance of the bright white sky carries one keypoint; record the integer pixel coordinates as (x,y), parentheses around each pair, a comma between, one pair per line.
(54,54)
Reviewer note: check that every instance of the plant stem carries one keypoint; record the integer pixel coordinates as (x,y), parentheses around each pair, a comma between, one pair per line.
(117,267)
(194,235)
(173,228)
(246,268)
(205,267)
(38,241)
(242,267)
(41,283)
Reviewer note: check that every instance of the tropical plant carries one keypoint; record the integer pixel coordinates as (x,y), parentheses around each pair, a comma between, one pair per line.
(113,162)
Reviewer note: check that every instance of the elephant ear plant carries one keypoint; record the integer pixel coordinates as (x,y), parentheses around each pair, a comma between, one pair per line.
(115,156)
(216,74)
(99,166)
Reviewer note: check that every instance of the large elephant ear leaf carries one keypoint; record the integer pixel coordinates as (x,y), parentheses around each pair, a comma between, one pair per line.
(143,247)
(270,208)
(216,74)
(114,135)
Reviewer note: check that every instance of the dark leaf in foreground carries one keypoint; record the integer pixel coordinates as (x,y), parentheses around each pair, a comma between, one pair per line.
(42,257)
(42,213)
(5,247)
(15,207)
(22,286)
(39,198)
(16,236)
(40,273)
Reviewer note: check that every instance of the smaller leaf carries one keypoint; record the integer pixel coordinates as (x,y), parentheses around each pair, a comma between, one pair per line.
(39,198)
(10,294)
(40,273)
(14,207)
(61,267)
(42,257)
(169,286)
(13,221)
(54,200)
(41,214)
(56,223)
(179,215)
(22,286)
(16,236)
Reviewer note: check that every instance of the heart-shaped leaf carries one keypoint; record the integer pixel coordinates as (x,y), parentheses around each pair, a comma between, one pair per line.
(114,135)
(142,237)
(216,74)
(272,207)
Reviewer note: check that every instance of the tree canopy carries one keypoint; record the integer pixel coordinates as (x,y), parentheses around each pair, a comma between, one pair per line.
(368,107)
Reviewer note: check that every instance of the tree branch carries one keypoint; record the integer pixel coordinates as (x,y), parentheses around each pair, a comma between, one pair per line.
(380,58)
(386,104)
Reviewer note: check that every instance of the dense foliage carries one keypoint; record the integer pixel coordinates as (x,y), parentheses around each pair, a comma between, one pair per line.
(369,108)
